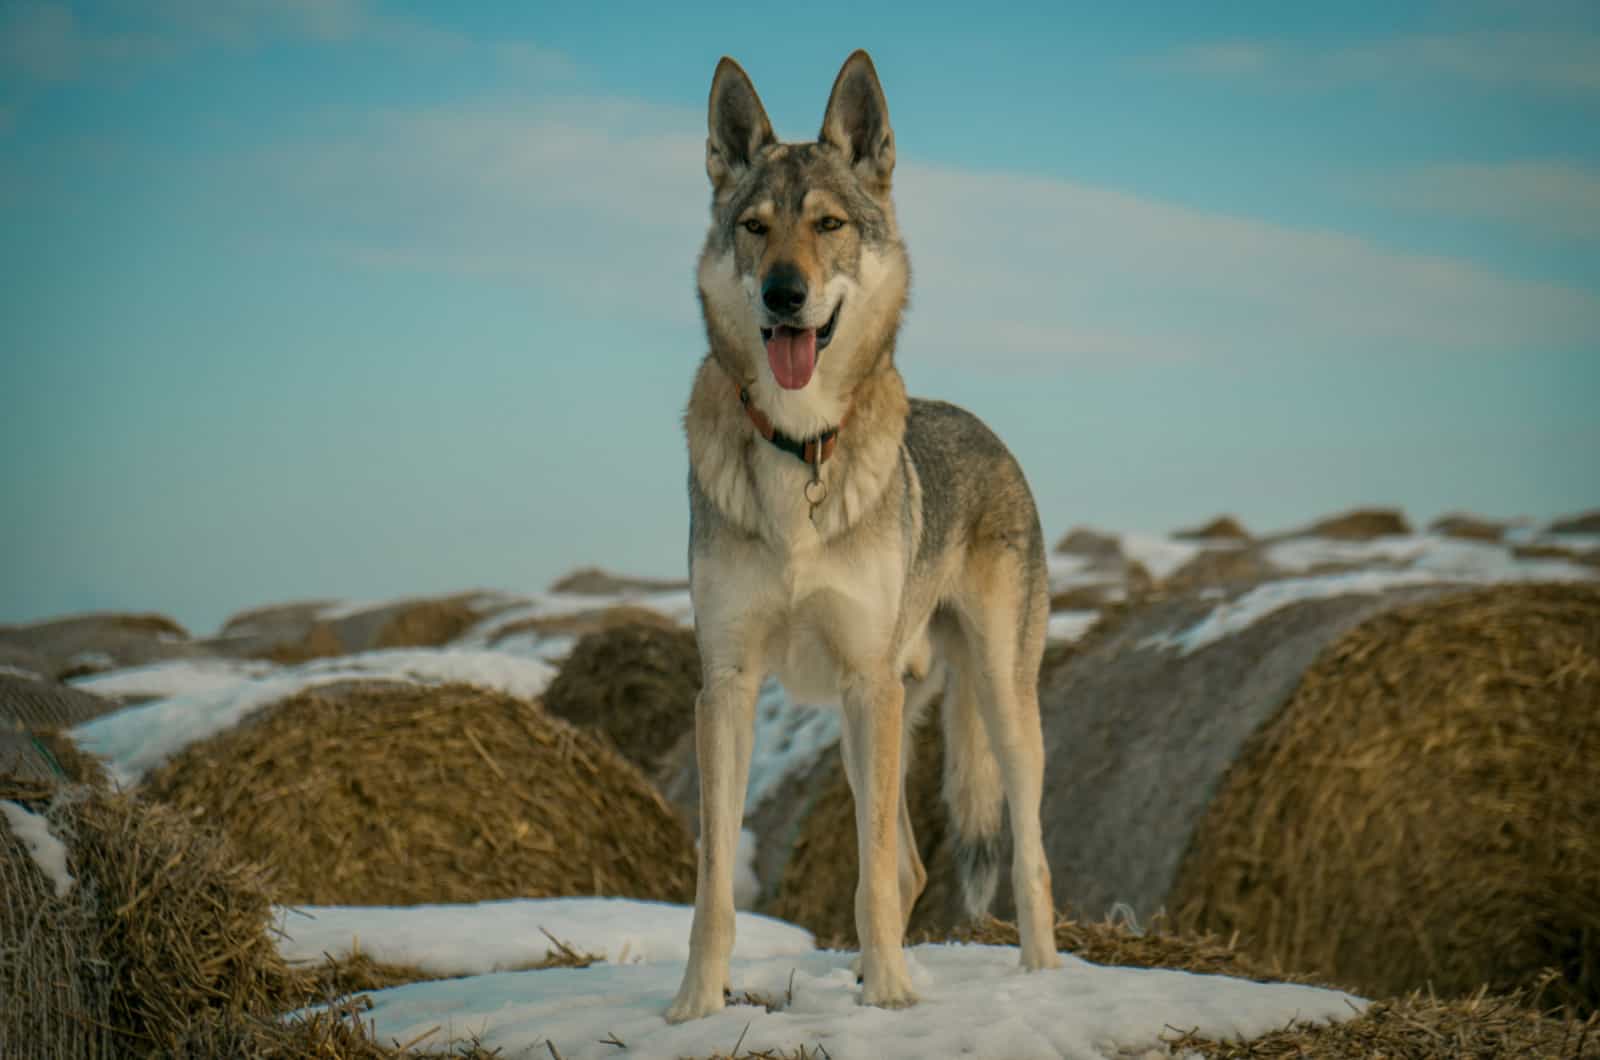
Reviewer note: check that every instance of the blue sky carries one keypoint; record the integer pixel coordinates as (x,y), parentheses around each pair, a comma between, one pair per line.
(356,299)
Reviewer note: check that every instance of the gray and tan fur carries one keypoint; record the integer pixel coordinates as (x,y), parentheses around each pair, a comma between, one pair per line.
(923,562)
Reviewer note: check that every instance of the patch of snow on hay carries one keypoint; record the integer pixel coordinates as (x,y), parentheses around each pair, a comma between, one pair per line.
(1071,625)
(976,1002)
(45,847)
(493,936)
(7,670)
(674,604)
(138,739)
(173,677)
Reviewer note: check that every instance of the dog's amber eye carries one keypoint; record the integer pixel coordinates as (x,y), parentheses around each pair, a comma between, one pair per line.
(754,227)
(829,224)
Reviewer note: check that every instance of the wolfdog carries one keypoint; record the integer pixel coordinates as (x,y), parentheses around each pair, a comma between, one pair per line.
(849,539)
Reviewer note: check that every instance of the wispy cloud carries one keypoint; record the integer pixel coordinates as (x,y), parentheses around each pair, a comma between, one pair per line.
(1559,200)
(1547,59)
(604,200)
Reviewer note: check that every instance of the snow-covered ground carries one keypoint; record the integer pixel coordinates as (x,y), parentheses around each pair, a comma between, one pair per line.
(173,677)
(494,936)
(975,1001)
(138,739)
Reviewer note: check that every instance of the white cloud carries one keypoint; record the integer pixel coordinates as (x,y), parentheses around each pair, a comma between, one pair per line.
(1548,59)
(1555,199)
(605,200)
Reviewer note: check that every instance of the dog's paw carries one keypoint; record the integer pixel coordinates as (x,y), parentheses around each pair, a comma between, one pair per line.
(888,985)
(1039,961)
(694,1001)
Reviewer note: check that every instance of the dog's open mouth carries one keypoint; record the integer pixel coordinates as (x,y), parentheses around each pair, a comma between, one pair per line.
(792,352)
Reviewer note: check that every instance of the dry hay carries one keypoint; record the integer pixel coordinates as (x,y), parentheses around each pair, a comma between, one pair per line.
(1358,524)
(32,715)
(1425,810)
(1418,1027)
(635,683)
(1582,523)
(89,643)
(1468,527)
(165,930)
(1222,528)
(385,794)
(592,581)
(819,880)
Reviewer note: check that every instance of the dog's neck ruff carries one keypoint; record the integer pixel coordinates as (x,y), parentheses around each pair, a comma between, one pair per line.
(813,451)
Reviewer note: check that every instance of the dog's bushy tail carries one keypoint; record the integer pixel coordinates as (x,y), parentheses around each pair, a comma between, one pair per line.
(973,793)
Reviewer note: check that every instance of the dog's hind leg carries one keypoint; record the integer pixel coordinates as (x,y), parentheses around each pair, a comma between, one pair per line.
(871,743)
(724,726)
(1008,701)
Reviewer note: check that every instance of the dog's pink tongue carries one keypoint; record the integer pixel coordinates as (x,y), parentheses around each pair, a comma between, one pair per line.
(792,352)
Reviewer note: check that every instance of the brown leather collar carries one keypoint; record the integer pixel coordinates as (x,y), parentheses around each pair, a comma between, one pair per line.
(812,452)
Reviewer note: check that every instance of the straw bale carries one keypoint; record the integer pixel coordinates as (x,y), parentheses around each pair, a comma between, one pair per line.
(427,623)
(32,713)
(1469,527)
(1222,528)
(635,683)
(1582,523)
(382,794)
(1221,568)
(1358,524)
(582,623)
(1082,541)
(88,643)
(592,581)
(1425,810)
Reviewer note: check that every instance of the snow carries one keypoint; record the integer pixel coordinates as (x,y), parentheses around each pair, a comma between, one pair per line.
(48,852)
(1071,625)
(173,677)
(138,739)
(975,1001)
(494,936)
(1162,555)
(788,738)
(1448,557)
(674,604)
(7,670)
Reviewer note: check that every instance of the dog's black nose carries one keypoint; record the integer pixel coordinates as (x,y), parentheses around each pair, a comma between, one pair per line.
(784,290)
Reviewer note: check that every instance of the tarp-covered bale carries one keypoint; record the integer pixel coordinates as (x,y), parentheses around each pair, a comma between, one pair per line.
(377,794)
(1425,810)
(635,684)
(1139,732)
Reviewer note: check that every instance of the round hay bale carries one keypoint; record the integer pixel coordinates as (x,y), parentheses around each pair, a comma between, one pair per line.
(1424,812)
(1358,524)
(1081,541)
(1221,568)
(1222,528)
(396,794)
(427,623)
(592,581)
(162,940)
(1468,527)
(89,643)
(819,880)
(635,683)
(1582,523)
(582,623)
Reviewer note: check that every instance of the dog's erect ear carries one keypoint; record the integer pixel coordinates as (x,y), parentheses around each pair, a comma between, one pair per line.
(857,121)
(738,124)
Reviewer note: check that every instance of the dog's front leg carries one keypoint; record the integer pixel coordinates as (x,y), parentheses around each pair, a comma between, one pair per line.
(871,745)
(724,728)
